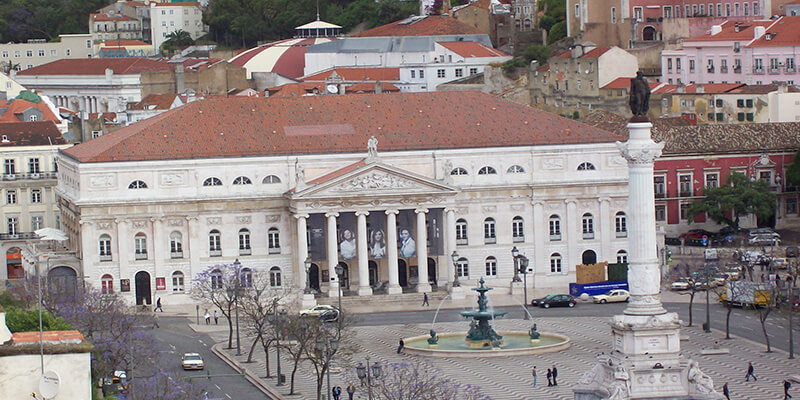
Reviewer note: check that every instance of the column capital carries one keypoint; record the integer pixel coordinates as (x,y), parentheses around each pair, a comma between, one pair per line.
(120,221)
(304,216)
(421,211)
(450,210)
(570,201)
(537,202)
(395,212)
(331,214)
(604,200)
(361,212)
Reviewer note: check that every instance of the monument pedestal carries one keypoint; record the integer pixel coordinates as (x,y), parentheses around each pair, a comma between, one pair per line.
(394,289)
(457,293)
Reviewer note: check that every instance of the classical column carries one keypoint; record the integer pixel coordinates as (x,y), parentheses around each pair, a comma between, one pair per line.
(422,251)
(450,241)
(159,244)
(391,252)
(302,251)
(363,261)
(572,233)
(541,235)
(195,240)
(333,255)
(606,228)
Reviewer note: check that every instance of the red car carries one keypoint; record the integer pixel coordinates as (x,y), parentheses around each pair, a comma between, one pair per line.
(695,234)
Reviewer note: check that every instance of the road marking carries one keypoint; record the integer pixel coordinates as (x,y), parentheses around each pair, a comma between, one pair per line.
(171,346)
(201,342)
(228,396)
(217,386)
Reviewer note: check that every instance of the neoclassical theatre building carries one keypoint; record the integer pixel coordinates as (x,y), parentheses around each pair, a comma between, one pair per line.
(388,186)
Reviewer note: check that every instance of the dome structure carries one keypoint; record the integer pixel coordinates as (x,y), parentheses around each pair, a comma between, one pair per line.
(287,57)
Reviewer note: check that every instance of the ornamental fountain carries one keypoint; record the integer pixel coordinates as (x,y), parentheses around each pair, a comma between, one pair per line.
(481,333)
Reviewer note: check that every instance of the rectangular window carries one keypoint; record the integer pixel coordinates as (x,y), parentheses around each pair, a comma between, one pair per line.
(685,185)
(678,64)
(659,186)
(765,176)
(12,223)
(720,117)
(177,283)
(33,165)
(746,9)
(727,10)
(555,229)
(750,117)
(740,116)
(41,53)
(29,53)
(577,10)
(748,103)
(613,15)
(37,222)
(718,103)
(740,103)
(517,231)
(11,197)
(587,226)
(53,53)
(702,9)
(440,73)
(422,74)
(667,11)
(791,206)
(691,65)
(755,8)
(461,233)
(719,10)
(473,71)
(790,65)
(712,179)
(5,53)
(669,64)
(684,211)
(661,212)
(637,13)
(621,225)
(8,166)
(459,72)
(36,195)
(413,74)
(462,268)
(555,264)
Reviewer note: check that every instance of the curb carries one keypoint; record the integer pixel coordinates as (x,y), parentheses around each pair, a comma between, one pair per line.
(249,376)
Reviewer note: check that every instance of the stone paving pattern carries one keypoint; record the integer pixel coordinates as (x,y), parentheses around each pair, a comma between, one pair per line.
(509,378)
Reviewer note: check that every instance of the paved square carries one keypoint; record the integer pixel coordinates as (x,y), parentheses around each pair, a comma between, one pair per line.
(509,378)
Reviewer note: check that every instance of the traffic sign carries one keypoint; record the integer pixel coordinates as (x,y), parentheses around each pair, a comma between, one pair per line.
(704,240)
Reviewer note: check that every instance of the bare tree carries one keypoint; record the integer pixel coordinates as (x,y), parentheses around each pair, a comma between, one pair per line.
(220,285)
(691,291)
(261,304)
(301,331)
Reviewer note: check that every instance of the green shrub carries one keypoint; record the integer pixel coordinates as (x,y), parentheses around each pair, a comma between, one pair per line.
(19,320)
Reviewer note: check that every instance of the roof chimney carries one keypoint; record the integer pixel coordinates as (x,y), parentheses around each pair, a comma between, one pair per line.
(378,88)
(758,31)
(699,88)
(715,29)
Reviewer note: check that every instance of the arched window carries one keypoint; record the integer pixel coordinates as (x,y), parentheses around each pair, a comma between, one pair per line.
(275,277)
(175,245)
(212,181)
(555,263)
(621,225)
(246,277)
(271,179)
(137,185)
(487,170)
(587,226)
(242,180)
(244,242)
(214,243)
(461,232)
(488,231)
(107,284)
(515,169)
(140,246)
(216,279)
(555,227)
(517,229)
(105,247)
(177,281)
(491,266)
(622,257)
(459,171)
(586,166)
(462,268)
(274,241)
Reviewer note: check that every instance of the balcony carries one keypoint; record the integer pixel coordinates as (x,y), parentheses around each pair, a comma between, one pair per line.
(245,252)
(274,250)
(489,240)
(461,242)
(555,237)
(18,236)
(519,239)
(759,71)
(775,70)
(622,234)
(24,176)
(105,257)
(710,70)
(790,70)
(176,254)
(723,70)
(141,255)
(685,193)
(588,235)
(215,253)
(737,69)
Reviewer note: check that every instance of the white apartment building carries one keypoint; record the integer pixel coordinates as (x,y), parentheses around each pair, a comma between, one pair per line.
(166,18)
(36,52)
(114,26)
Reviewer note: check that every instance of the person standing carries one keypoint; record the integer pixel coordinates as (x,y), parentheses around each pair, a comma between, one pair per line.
(549,377)
(534,376)
(425,300)
(351,390)
(207,316)
(555,375)
(216,317)
(750,373)
(337,391)
(786,386)
(725,391)
(158,305)
(400,346)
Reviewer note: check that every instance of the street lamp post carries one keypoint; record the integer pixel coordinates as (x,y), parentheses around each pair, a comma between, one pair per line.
(307,263)
(708,309)
(237,267)
(515,255)
(339,270)
(455,258)
(277,338)
(523,266)
(368,374)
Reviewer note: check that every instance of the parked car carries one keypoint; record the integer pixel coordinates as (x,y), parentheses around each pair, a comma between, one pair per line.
(680,284)
(792,252)
(317,310)
(695,234)
(763,240)
(780,263)
(764,231)
(555,300)
(192,361)
(612,296)
(329,316)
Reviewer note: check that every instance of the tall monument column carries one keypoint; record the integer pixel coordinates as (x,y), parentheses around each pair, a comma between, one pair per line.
(645,362)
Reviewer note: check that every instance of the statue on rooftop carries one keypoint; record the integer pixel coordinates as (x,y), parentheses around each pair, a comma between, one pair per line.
(640,96)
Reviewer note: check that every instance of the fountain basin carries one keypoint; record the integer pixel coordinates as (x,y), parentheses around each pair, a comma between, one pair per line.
(515,343)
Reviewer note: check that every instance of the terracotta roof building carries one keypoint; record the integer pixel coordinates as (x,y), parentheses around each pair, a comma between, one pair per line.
(431,25)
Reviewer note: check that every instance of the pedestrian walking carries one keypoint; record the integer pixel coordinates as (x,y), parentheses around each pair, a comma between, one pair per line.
(216,317)
(786,386)
(725,391)
(549,377)
(534,376)
(400,346)
(158,305)
(351,390)
(337,391)
(425,300)
(207,316)
(555,375)
(750,373)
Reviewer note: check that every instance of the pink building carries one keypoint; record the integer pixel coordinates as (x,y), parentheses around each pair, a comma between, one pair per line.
(755,52)
(650,14)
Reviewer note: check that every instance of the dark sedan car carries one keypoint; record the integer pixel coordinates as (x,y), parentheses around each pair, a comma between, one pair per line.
(555,300)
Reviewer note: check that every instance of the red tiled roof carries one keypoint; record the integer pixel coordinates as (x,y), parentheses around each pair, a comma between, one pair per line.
(713,87)
(424,26)
(763,89)
(20,338)
(160,101)
(357,74)
(245,126)
(593,53)
(106,17)
(339,172)
(369,87)
(97,66)
(783,32)
(125,42)
(472,49)
(108,116)
(483,4)
(16,106)
(296,89)
(746,32)
(37,133)
(625,83)
(181,4)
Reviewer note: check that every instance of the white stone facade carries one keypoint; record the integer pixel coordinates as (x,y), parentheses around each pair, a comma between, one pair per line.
(170,17)
(100,202)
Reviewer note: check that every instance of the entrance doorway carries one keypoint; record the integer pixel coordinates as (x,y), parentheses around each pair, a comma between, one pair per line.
(589,257)
(62,281)
(313,277)
(345,278)
(649,33)
(142,281)
(402,273)
(432,272)
(373,273)
(14,263)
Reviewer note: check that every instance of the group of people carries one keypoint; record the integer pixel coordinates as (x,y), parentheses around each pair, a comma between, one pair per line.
(336,391)
(751,374)
(552,376)
(377,244)
(207,317)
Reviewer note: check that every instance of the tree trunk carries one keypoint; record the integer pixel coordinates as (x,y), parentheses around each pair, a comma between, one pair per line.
(763,319)
(230,329)
(728,323)
(294,370)
(252,349)
(266,358)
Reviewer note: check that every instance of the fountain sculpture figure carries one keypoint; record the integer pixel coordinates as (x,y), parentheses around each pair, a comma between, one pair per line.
(481,333)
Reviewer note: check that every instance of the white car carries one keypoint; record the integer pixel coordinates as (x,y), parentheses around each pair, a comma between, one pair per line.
(317,310)
(764,240)
(192,361)
(680,284)
(612,296)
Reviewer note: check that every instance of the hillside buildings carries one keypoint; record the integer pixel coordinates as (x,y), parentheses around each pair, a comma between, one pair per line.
(36,52)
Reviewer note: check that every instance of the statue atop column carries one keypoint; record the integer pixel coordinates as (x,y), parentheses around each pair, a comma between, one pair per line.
(300,175)
(640,96)
(372,150)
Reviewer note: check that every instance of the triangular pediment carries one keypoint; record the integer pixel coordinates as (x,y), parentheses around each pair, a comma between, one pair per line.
(375,179)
